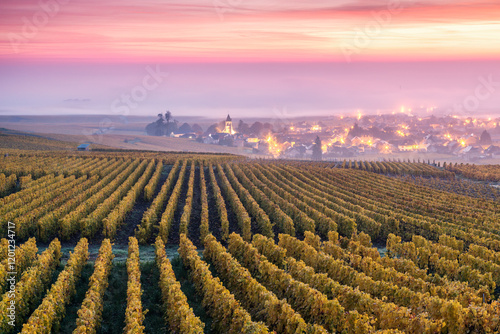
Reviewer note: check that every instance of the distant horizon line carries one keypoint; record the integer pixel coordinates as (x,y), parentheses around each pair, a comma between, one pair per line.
(254,117)
(229,61)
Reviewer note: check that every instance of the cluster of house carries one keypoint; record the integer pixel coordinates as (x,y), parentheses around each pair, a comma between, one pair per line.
(381,135)
(469,148)
(229,137)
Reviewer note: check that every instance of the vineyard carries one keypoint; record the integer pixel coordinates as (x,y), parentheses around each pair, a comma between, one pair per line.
(221,244)
(482,173)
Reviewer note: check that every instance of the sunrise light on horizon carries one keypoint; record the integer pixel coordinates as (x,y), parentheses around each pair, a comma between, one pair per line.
(245,30)
(373,55)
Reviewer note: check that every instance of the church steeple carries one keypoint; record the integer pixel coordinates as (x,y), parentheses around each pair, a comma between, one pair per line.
(229,125)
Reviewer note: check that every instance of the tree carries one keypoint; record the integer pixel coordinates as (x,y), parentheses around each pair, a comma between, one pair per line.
(197,128)
(168,116)
(157,127)
(212,129)
(485,138)
(256,128)
(185,128)
(267,129)
(162,126)
(317,154)
(171,127)
(243,127)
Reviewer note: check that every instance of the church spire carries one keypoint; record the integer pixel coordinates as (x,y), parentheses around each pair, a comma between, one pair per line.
(229,125)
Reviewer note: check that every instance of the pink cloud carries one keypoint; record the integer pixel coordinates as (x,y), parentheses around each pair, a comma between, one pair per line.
(253,30)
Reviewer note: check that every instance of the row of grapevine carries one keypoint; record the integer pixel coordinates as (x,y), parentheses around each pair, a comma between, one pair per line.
(397,168)
(30,289)
(484,253)
(167,218)
(324,218)
(204,223)
(4,248)
(386,315)
(150,217)
(434,205)
(24,257)
(116,217)
(369,191)
(188,206)
(456,318)
(53,307)
(90,313)
(437,198)
(168,158)
(38,166)
(348,220)
(93,223)
(179,315)
(150,188)
(70,223)
(18,199)
(134,315)
(313,305)
(7,184)
(27,182)
(458,186)
(378,272)
(51,224)
(45,197)
(96,168)
(347,216)
(220,203)
(32,197)
(446,261)
(272,209)
(438,285)
(242,216)
(465,209)
(227,314)
(489,173)
(276,313)
(253,208)
(302,214)
(25,218)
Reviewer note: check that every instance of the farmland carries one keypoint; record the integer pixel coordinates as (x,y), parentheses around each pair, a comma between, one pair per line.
(135,242)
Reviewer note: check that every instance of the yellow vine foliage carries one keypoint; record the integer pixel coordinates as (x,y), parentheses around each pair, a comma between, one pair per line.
(90,313)
(179,315)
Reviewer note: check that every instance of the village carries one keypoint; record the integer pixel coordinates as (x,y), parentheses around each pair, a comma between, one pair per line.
(469,138)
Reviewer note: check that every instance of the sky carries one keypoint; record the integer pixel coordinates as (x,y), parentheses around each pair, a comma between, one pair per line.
(249,57)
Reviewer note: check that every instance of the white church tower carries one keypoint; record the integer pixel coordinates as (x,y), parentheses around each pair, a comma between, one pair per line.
(229,125)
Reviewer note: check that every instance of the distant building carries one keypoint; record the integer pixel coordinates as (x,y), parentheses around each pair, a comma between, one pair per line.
(252,142)
(83,147)
(471,153)
(493,151)
(228,128)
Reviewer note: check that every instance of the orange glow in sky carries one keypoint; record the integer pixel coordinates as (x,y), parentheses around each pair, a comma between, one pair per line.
(249,57)
(250,30)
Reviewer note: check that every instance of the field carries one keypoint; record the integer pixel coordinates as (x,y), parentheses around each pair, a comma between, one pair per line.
(150,242)
(135,142)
